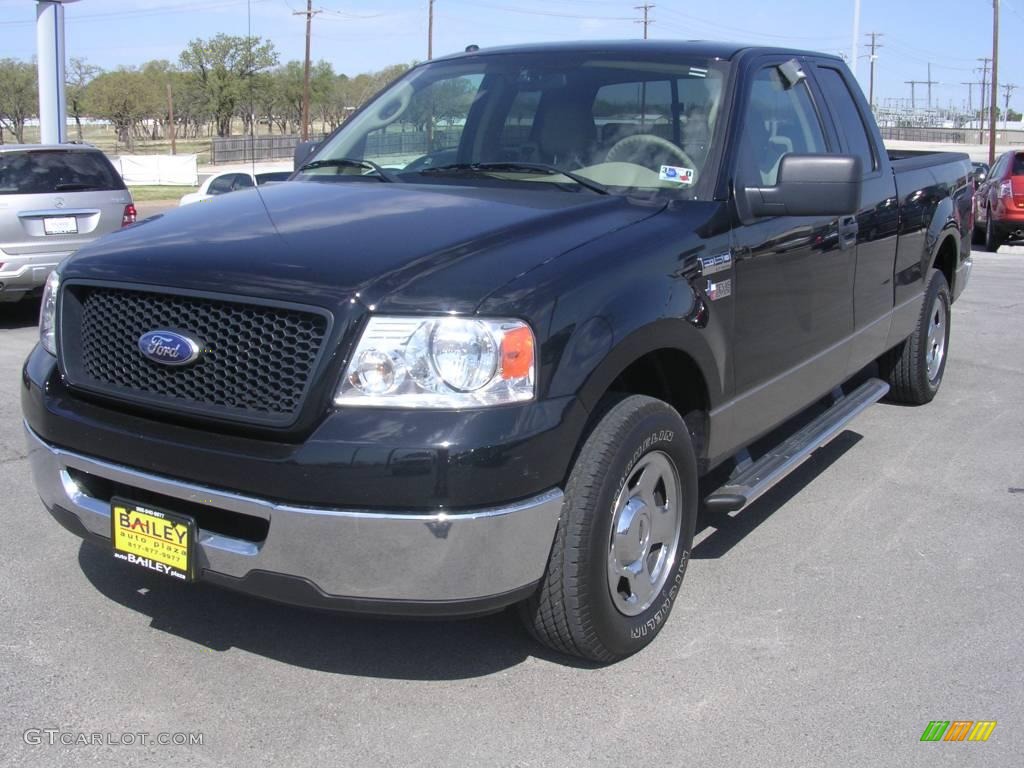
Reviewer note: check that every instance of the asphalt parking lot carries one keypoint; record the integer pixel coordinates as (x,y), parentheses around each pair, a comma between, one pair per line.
(876,589)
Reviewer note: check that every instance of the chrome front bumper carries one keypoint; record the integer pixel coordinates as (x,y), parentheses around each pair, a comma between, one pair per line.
(375,560)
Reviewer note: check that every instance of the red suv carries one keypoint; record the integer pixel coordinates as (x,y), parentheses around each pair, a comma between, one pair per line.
(999,202)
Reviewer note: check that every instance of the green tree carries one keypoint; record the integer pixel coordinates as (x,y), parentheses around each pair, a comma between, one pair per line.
(119,97)
(224,67)
(77,78)
(19,96)
(156,76)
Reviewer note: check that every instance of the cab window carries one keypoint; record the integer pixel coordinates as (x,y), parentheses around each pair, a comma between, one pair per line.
(780,119)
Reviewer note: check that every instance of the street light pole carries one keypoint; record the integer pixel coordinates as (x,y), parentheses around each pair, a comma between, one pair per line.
(856,34)
(53,115)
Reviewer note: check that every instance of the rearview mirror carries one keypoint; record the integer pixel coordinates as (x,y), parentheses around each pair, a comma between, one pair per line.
(809,185)
(302,152)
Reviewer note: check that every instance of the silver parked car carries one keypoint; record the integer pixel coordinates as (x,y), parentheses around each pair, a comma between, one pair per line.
(53,200)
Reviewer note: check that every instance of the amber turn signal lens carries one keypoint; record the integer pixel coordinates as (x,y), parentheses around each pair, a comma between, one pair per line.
(516,353)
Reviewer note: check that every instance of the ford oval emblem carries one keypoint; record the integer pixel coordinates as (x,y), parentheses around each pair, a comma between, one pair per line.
(169,347)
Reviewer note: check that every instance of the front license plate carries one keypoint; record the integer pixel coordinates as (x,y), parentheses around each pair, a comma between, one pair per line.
(152,538)
(60,225)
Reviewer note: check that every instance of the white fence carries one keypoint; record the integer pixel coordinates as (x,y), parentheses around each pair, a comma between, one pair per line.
(178,170)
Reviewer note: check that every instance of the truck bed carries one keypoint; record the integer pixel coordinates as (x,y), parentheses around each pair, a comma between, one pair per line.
(916,159)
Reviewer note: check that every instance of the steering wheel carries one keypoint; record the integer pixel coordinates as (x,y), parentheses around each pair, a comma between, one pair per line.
(645,146)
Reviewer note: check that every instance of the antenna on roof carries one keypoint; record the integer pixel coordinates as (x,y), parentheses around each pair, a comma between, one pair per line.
(472,48)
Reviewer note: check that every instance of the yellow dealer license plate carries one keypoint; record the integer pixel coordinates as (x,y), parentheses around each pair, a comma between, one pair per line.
(152,538)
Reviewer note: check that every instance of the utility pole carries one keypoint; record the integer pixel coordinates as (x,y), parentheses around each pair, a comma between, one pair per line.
(309,13)
(170,114)
(647,21)
(995,84)
(970,96)
(430,29)
(1007,90)
(930,84)
(875,45)
(984,84)
(913,94)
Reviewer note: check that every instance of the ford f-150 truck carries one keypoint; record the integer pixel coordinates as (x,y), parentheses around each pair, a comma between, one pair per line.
(501,336)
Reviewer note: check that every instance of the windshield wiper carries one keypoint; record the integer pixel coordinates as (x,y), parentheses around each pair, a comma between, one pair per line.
(511,166)
(350,162)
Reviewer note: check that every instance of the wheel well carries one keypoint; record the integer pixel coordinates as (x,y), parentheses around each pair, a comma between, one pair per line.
(945,260)
(673,376)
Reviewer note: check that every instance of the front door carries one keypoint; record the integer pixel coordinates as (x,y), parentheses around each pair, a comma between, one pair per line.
(794,274)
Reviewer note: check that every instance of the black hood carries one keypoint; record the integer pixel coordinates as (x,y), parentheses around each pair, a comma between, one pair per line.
(391,246)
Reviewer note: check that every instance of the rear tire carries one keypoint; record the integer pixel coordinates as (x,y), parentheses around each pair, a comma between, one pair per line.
(992,237)
(977,234)
(914,369)
(624,537)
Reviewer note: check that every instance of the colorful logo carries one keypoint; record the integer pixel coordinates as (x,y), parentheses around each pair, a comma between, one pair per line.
(958,730)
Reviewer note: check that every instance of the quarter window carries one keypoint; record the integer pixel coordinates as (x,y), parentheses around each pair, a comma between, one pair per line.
(848,117)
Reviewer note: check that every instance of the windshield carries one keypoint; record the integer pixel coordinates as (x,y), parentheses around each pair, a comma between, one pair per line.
(628,126)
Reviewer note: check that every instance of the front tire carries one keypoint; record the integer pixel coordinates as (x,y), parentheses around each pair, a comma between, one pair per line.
(624,537)
(915,368)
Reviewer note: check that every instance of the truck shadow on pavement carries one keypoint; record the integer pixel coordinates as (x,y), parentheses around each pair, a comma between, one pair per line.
(19,314)
(219,620)
(728,530)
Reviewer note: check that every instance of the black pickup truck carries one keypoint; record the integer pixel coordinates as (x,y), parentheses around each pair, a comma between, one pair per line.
(501,335)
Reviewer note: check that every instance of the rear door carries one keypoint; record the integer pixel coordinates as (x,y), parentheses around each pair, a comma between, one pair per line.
(57,200)
(988,191)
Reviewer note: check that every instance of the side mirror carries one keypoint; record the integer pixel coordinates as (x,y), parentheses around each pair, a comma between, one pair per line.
(302,152)
(809,185)
(980,176)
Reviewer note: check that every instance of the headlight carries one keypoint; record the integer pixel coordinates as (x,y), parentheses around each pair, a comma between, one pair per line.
(48,314)
(440,362)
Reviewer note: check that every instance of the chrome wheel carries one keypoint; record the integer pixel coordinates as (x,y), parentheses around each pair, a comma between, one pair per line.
(936,349)
(645,533)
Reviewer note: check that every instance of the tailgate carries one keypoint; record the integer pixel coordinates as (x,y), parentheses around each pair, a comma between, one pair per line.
(57,199)
(46,223)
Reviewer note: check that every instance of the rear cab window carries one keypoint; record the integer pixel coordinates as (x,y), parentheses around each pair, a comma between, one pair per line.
(43,171)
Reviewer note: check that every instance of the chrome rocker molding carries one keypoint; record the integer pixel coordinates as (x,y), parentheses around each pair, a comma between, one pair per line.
(354,556)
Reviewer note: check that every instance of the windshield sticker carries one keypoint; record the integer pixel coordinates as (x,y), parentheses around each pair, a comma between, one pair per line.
(676,174)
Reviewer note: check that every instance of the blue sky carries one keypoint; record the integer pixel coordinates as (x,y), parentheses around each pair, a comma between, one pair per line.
(359,35)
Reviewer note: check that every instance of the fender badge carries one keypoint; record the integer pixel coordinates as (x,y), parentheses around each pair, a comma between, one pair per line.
(711,264)
(719,290)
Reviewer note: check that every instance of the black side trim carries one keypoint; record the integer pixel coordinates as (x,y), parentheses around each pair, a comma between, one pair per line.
(295,590)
